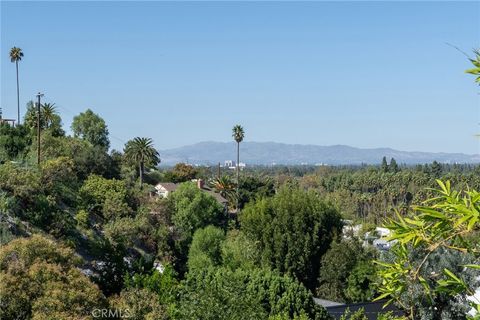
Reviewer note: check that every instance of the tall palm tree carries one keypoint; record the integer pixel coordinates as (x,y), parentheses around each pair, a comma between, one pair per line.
(141,151)
(16,55)
(49,113)
(238,134)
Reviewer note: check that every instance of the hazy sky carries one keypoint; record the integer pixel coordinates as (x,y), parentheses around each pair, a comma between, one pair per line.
(365,74)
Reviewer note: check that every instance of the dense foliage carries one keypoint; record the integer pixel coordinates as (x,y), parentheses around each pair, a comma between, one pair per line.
(226,294)
(346,273)
(90,127)
(435,264)
(51,286)
(86,229)
(294,229)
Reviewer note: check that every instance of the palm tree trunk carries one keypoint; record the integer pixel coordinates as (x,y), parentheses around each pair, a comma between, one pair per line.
(141,175)
(238,174)
(18,96)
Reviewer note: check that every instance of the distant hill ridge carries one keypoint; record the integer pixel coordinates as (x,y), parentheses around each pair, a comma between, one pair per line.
(266,153)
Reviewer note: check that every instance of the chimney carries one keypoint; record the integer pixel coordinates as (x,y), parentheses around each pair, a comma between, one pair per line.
(200,183)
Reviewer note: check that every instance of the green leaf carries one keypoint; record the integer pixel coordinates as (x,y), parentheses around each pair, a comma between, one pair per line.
(432,213)
(473,266)
(414,222)
(382,296)
(451,275)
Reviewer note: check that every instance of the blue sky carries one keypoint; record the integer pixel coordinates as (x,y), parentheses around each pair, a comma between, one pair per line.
(365,74)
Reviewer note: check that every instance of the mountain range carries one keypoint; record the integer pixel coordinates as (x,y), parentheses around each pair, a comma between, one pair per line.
(268,153)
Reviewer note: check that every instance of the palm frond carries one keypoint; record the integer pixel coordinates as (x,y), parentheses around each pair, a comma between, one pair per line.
(238,133)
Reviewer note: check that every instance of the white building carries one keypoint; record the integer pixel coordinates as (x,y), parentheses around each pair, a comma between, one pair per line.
(231,164)
(165,188)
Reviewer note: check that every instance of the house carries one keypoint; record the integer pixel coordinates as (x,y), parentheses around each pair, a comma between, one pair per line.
(8,121)
(201,185)
(375,238)
(163,189)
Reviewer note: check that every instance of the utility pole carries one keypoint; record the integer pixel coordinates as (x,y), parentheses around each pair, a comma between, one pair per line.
(39,95)
(219,170)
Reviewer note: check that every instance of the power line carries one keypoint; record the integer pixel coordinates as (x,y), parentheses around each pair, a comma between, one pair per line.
(109,133)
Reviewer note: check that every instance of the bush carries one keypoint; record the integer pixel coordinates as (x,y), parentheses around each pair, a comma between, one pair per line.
(39,280)
(20,182)
(206,248)
(58,178)
(164,284)
(82,218)
(106,197)
(138,304)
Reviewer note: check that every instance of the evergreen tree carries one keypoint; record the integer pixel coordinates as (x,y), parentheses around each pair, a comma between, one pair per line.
(436,169)
(393,166)
(384,165)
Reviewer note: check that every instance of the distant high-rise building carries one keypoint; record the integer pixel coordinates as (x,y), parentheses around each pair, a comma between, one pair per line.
(229,164)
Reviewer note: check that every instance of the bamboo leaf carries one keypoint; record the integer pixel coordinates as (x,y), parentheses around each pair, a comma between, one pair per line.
(473,266)
(451,275)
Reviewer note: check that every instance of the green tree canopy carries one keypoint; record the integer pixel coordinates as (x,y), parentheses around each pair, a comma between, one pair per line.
(49,119)
(255,188)
(92,128)
(337,266)
(240,252)
(206,248)
(88,159)
(218,293)
(14,142)
(192,209)
(107,197)
(294,229)
(181,173)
